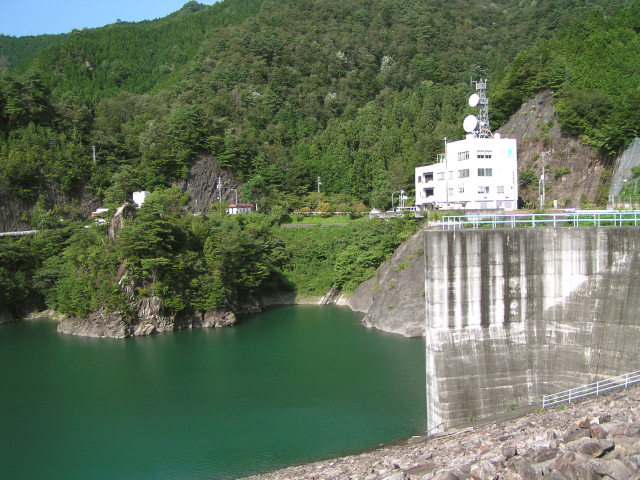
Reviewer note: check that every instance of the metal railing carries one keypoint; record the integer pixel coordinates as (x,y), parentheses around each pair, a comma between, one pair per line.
(18,233)
(592,218)
(621,381)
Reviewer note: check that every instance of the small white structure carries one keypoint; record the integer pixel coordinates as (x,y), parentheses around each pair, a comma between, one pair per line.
(234,209)
(473,174)
(140,197)
(479,172)
(98,212)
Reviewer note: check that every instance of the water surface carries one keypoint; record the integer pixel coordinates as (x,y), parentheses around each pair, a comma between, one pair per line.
(291,385)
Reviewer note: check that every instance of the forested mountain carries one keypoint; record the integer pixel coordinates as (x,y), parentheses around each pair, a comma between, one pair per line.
(279,93)
(13,51)
(356,92)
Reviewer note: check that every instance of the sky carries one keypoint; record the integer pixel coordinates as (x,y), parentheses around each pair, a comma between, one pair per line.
(35,17)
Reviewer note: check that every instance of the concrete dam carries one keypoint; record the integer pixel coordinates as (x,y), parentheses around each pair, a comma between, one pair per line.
(514,314)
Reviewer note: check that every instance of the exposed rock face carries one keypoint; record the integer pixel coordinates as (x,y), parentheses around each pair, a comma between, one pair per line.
(394,298)
(122,212)
(537,130)
(531,447)
(216,319)
(201,184)
(99,324)
(152,317)
(15,212)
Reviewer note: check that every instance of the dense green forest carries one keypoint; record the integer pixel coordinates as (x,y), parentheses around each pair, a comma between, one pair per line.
(193,263)
(280,92)
(593,65)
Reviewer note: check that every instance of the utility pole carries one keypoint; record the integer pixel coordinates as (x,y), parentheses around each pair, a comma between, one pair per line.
(319,183)
(541,188)
(93,154)
(219,188)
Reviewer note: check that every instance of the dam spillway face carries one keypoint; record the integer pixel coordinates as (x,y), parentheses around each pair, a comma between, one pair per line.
(514,314)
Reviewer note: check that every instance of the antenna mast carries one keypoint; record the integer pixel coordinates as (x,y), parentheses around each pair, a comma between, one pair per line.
(482,130)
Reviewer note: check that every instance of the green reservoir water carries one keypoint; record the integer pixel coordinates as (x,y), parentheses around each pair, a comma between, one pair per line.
(292,385)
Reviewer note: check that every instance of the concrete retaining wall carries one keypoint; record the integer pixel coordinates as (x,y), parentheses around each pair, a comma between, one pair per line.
(516,314)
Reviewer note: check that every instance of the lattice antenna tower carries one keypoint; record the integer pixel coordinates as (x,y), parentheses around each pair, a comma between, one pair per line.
(479,99)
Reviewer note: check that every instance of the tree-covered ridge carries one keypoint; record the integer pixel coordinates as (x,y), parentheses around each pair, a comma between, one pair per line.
(282,92)
(15,50)
(594,68)
(136,57)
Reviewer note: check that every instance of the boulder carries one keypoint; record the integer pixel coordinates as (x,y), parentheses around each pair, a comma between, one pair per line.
(101,324)
(217,318)
(593,447)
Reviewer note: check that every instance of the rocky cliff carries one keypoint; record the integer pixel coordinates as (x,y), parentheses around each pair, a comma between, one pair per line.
(573,171)
(150,318)
(393,300)
(15,213)
(201,184)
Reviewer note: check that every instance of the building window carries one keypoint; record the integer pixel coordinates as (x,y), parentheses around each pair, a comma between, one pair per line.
(484,153)
(428,177)
(461,189)
(451,191)
(483,189)
(500,188)
(485,172)
(450,174)
(440,175)
(463,155)
(464,173)
(428,192)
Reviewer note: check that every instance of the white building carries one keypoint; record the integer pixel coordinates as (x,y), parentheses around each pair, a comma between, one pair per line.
(139,197)
(235,209)
(473,174)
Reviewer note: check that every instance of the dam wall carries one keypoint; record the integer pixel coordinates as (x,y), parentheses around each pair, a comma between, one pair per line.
(514,314)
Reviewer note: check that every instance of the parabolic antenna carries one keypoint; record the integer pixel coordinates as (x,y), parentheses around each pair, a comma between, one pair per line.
(469,124)
(474,99)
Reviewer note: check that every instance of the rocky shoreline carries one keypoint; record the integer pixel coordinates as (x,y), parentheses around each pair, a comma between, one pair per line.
(151,317)
(598,438)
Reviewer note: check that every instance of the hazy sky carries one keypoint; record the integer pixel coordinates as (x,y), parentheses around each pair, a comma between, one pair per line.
(34,17)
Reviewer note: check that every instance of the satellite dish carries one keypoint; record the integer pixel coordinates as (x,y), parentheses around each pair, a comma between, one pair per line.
(470,123)
(474,99)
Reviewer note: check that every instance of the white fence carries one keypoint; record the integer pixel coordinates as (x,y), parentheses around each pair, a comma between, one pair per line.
(597,388)
(594,218)
(18,234)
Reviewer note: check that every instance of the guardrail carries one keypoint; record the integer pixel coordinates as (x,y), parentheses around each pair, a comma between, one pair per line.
(18,234)
(597,218)
(621,381)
